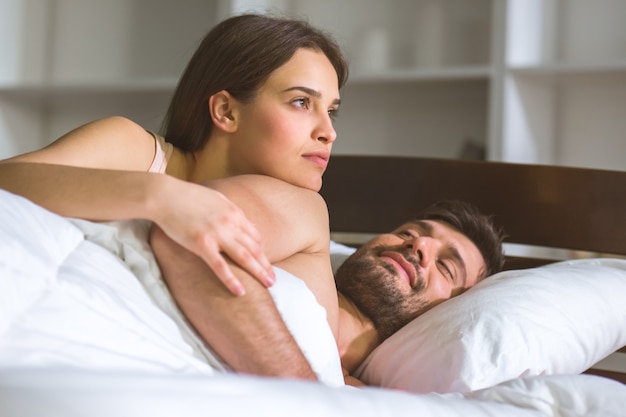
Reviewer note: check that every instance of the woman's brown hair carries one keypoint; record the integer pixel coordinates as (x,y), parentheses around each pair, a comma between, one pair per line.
(238,55)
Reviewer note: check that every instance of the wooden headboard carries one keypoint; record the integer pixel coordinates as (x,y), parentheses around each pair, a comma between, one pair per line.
(548,206)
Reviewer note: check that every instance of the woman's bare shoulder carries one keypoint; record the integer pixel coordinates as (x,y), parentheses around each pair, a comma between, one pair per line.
(111,143)
(279,208)
(269,191)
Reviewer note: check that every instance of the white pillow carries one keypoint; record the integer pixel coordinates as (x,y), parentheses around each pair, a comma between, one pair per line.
(560,318)
(338,253)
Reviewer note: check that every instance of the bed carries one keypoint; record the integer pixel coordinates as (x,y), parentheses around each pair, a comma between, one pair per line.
(87,327)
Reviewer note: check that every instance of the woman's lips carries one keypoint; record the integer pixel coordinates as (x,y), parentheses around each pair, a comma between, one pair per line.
(405,267)
(319,158)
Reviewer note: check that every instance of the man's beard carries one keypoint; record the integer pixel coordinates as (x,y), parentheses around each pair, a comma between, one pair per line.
(372,285)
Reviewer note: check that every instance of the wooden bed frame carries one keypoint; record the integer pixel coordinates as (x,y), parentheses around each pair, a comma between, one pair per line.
(555,212)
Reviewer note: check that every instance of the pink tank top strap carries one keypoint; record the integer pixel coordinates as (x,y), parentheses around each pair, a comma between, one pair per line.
(163,151)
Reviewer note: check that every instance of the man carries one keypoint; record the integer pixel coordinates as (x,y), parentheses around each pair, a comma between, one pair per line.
(395,277)
(386,283)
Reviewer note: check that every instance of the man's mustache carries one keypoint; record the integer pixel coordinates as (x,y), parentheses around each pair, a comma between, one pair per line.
(406,254)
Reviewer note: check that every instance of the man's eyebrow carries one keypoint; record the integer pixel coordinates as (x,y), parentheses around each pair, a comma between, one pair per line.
(427,228)
(311,92)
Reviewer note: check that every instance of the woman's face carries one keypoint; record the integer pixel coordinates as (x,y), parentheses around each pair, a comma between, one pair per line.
(287,130)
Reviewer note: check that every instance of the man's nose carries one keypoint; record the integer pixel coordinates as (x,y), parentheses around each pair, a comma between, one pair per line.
(422,247)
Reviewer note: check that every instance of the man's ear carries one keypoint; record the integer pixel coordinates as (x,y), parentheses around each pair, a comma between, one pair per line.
(224,111)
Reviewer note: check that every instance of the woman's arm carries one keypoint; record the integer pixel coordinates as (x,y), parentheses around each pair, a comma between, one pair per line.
(97,172)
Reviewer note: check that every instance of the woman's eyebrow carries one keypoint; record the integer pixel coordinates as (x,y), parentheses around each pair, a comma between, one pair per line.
(310,92)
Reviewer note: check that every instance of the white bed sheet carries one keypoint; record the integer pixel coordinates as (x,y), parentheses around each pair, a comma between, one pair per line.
(44,393)
(83,333)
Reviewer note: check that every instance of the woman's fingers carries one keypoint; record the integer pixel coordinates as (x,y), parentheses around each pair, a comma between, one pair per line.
(224,272)
(245,251)
(215,229)
(249,255)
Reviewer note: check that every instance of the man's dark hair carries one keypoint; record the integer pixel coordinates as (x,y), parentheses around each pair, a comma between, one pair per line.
(471,222)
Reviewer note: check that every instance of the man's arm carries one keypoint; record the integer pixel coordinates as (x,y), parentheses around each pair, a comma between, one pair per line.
(247,331)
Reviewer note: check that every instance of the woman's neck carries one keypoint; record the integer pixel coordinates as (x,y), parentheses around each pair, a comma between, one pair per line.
(209,163)
(180,165)
(357,336)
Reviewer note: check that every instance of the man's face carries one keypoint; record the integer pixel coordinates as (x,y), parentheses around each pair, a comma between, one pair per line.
(395,277)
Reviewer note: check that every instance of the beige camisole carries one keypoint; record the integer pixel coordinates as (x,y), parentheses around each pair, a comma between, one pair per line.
(162,154)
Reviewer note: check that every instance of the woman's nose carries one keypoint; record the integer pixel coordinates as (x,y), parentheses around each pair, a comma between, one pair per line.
(325,131)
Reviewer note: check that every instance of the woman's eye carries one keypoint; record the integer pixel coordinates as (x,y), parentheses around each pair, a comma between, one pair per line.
(302,102)
(333,113)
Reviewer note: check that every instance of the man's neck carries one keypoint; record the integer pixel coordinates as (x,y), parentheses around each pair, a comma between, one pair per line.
(357,335)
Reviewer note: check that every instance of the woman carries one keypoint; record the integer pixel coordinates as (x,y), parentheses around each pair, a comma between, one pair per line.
(257,97)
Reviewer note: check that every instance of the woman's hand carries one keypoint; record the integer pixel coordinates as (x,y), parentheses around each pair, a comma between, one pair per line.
(206,223)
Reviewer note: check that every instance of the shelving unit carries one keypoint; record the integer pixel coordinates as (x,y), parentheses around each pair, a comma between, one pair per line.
(419,77)
(66,62)
(539,81)
(563,84)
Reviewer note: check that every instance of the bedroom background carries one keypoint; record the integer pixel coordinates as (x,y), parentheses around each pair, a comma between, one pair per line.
(512,80)
(531,81)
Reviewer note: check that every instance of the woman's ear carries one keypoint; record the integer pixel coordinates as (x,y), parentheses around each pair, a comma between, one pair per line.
(223,109)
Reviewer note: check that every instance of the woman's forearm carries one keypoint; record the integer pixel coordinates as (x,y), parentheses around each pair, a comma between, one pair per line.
(92,194)
(197,217)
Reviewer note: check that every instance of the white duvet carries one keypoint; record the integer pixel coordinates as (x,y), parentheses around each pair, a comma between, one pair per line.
(87,328)
(79,294)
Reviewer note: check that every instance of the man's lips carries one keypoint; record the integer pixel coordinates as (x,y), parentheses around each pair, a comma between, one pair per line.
(318,158)
(405,267)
